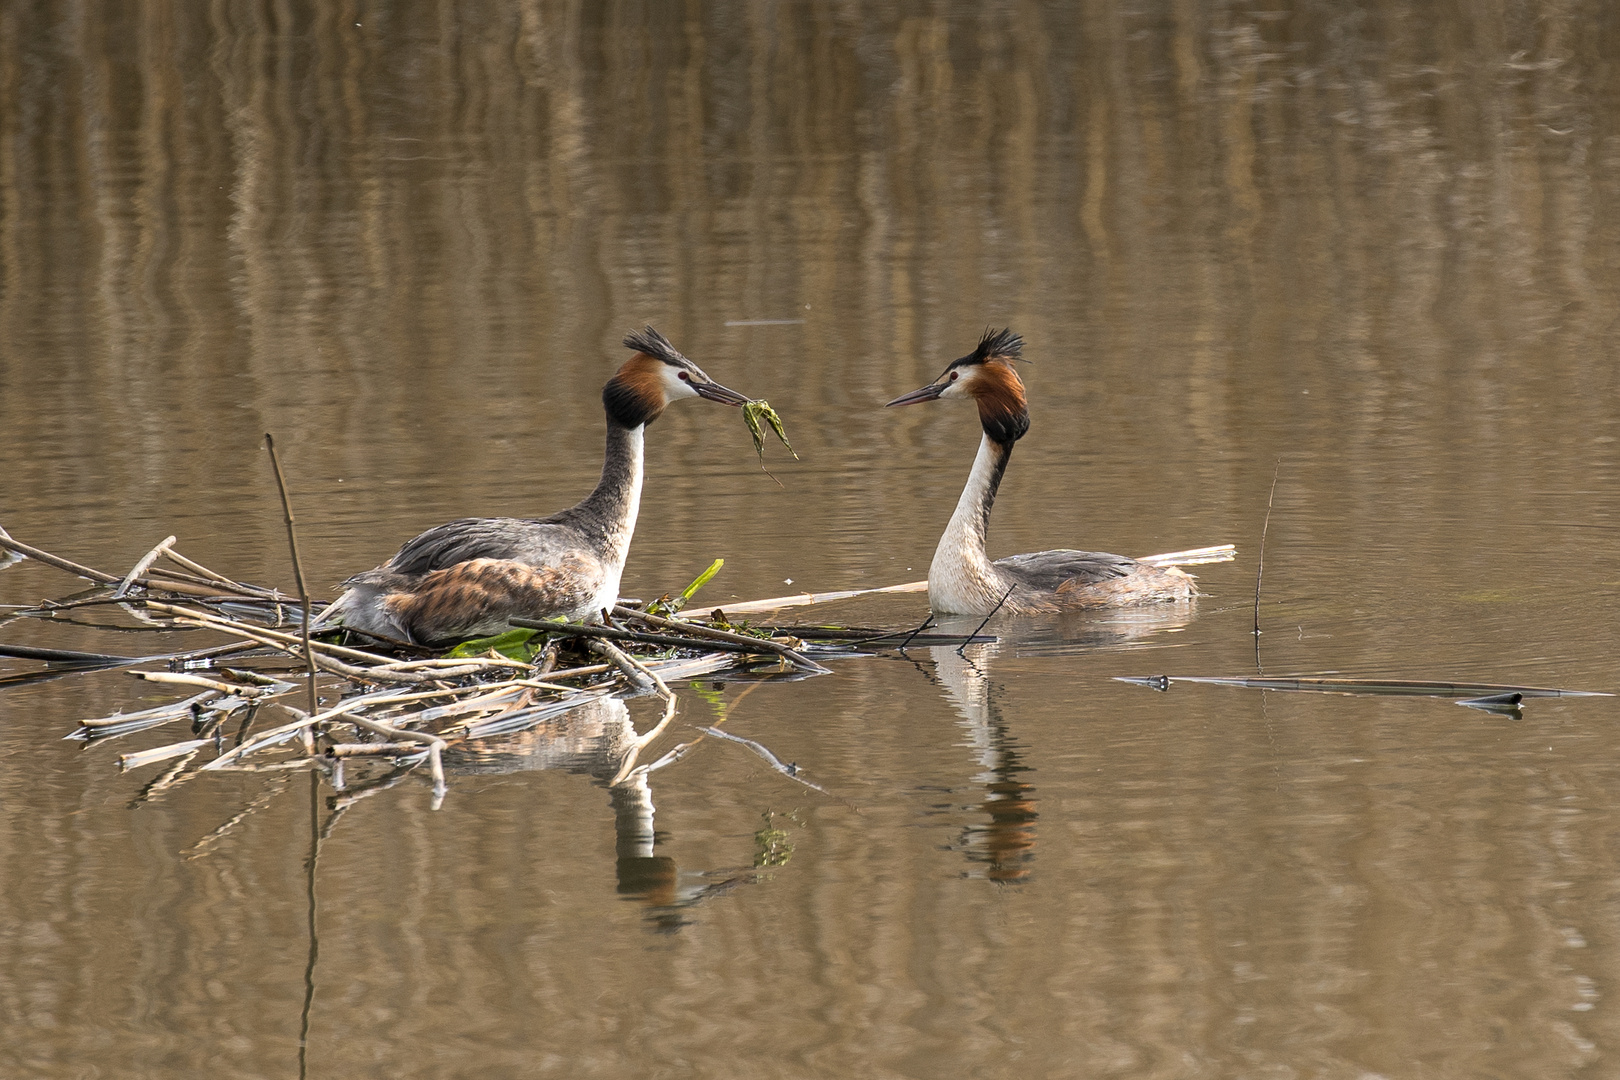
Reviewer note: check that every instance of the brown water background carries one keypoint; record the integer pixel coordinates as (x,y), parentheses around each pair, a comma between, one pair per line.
(1372,249)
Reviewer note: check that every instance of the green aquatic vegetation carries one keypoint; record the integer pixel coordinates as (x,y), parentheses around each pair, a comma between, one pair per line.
(755,411)
(669,606)
(514,644)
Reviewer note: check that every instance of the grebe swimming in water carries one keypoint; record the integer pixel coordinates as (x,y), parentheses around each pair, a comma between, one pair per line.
(961,579)
(467,578)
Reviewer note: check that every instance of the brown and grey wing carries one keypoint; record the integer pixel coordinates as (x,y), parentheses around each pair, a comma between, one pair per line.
(1079,580)
(1048,571)
(481,596)
(445,546)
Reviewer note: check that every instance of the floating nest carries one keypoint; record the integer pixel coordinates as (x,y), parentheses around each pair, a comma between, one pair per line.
(367,712)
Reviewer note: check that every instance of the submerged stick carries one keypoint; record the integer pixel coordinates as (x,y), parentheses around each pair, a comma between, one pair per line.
(127,762)
(298,569)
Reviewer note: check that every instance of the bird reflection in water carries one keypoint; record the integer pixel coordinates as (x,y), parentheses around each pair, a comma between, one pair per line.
(597,739)
(1001,843)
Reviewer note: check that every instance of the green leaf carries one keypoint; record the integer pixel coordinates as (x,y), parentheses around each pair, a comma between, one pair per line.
(701,580)
(667,606)
(514,645)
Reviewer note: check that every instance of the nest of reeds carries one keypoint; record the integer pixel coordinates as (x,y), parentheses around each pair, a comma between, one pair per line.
(266,695)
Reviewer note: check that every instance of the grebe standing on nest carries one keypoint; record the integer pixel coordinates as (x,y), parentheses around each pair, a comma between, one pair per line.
(467,578)
(962,580)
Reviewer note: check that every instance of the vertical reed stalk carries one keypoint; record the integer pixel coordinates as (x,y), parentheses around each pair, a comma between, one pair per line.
(298,573)
(1260,569)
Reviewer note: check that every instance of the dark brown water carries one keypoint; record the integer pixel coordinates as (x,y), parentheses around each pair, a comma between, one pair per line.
(1369,248)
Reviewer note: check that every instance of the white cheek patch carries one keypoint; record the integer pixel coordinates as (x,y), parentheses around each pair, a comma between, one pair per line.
(674,385)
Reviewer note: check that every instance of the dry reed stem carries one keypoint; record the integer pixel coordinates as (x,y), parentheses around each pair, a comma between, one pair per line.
(298,573)
(56,561)
(213,575)
(140,568)
(182,679)
(290,639)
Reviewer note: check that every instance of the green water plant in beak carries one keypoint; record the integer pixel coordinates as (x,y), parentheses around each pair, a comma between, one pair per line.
(755,411)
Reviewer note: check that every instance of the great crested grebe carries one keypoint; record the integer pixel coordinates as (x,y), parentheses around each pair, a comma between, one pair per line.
(961,579)
(467,578)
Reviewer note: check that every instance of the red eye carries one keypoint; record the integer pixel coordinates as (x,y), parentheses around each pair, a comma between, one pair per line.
(953,376)
(684,377)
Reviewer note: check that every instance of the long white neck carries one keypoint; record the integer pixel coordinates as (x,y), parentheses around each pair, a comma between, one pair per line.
(961,579)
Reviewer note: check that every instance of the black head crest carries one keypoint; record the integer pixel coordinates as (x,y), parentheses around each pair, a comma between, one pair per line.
(1002,343)
(649,341)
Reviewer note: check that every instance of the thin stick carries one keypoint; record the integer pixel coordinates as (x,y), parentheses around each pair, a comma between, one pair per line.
(797,659)
(924,625)
(56,560)
(471,661)
(987,619)
(205,574)
(219,622)
(199,569)
(628,667)
(68,656)
(150,581)
(290,645)
(298,572)
(1260,569)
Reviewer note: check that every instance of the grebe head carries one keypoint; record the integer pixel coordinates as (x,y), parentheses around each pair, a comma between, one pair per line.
(655,376)
(988,377)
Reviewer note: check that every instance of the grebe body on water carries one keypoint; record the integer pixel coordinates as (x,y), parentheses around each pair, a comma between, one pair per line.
(962,580)
(469,578)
